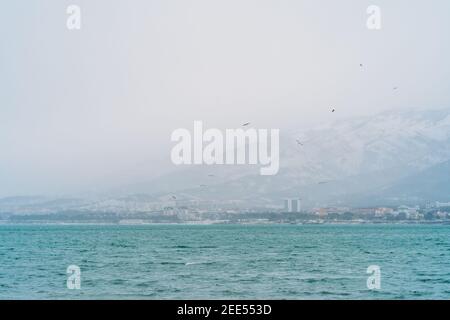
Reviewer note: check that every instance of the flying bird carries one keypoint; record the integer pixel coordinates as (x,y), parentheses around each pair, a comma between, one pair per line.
(333,110)
(394,88)
(361,65)
(246,124)
(298,142)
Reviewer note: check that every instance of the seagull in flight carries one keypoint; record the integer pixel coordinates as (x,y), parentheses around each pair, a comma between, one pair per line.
(333,110)
(298,142)
(246,124)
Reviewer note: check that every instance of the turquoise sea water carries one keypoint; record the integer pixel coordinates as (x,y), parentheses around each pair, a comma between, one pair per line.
(225,261)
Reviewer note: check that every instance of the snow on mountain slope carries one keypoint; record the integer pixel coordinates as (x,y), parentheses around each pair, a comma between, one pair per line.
(333,160)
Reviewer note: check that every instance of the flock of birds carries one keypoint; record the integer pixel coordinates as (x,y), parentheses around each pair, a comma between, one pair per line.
(334,110)
(299,143)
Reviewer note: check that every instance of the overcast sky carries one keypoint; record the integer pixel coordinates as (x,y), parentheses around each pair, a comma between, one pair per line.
(94,108)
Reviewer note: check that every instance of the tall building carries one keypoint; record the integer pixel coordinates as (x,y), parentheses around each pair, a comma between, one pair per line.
(287,205)
(292,205)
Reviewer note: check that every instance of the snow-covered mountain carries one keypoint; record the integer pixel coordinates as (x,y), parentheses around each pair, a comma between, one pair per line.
(432,184)
(396,157)
(334,164)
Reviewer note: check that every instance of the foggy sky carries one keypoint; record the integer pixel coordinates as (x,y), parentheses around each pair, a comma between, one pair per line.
(87,110)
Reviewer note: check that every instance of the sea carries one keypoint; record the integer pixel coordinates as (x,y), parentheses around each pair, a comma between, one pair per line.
(219,261)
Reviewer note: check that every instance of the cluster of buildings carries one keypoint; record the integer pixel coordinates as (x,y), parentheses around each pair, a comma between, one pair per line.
(437,210)
(403,212)
(171,208)
(292,207)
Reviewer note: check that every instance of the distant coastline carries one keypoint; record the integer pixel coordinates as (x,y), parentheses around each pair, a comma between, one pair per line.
(202,223)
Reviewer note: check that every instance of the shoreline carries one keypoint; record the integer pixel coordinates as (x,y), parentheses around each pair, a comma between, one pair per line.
(210,223)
